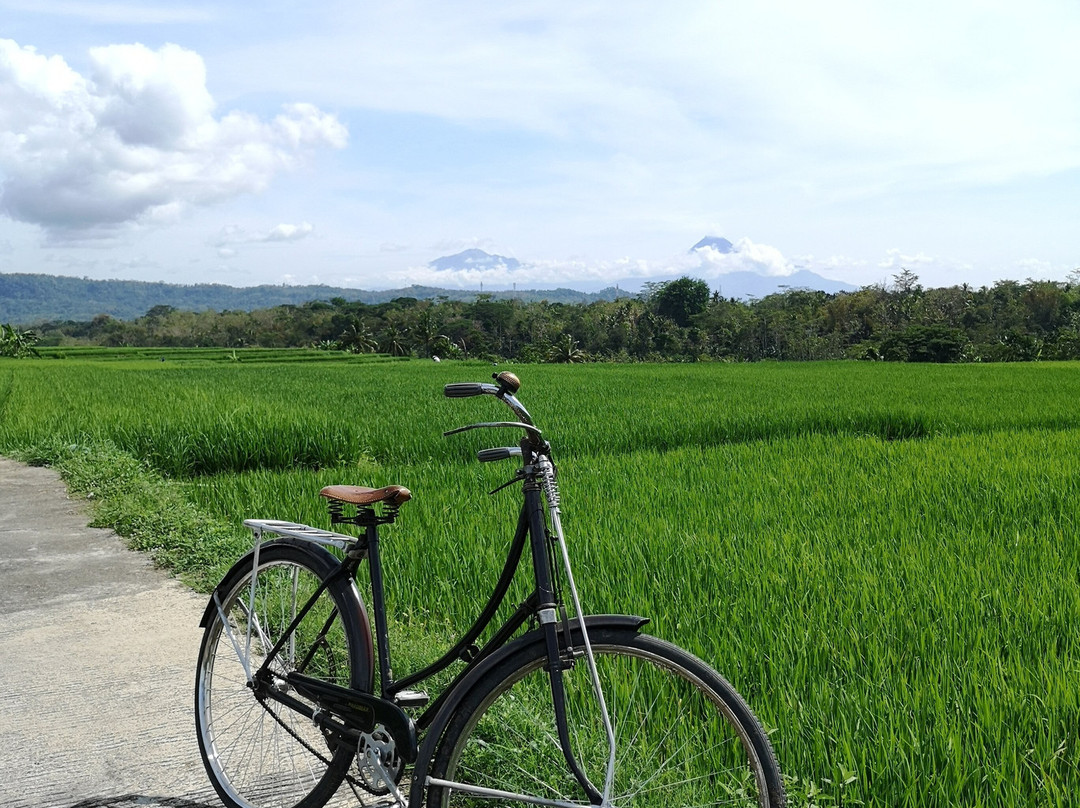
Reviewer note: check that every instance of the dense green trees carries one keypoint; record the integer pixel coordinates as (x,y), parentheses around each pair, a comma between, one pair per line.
(675,321)
(682,299)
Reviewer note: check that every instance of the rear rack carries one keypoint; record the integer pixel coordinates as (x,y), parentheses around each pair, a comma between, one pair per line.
(293,530)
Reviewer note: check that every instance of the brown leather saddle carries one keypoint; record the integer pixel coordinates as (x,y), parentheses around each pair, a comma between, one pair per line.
(394,495)
(362,502)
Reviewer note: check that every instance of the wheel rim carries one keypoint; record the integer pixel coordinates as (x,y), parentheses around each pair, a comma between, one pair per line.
(678,743)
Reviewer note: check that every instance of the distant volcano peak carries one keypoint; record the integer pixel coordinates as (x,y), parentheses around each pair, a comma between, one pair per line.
(721,245)
(474,259)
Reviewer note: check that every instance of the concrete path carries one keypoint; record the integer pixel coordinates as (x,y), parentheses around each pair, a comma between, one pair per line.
(97,661)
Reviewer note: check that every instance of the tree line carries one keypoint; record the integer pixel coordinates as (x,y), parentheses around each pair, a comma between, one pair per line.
(680,320)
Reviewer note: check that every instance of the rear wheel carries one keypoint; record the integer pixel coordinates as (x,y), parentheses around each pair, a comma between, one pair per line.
(259,753)
(684,737)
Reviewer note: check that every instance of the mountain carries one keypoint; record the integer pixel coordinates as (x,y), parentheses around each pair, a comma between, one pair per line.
(474,259)
(745,284)
(721,245)
(26,299)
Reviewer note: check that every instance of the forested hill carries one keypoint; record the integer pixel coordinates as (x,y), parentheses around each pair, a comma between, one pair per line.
(27,299)
(682,320)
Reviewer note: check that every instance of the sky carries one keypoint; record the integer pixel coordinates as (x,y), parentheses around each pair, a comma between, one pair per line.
(351,144)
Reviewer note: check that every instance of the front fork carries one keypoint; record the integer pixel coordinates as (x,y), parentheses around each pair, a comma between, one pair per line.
(549,612)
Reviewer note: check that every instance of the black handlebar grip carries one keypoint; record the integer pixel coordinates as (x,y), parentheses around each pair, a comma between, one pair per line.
(498,453)
(463,390)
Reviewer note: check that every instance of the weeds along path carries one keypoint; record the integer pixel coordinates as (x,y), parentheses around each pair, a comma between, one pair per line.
(97,653)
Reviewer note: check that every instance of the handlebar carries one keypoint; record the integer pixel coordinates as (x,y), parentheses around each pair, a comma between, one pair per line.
(507,384)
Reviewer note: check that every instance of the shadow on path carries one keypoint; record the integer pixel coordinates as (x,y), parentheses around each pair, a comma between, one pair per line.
(143,801)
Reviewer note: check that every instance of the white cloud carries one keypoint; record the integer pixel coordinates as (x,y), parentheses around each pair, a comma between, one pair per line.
(532,275)
(706,263)
(830,262)
(135,141)
(745,256)
(235,234)
(897,259)
(846,97)
(289,232)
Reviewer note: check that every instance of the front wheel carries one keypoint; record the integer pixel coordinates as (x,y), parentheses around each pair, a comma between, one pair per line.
(683,736)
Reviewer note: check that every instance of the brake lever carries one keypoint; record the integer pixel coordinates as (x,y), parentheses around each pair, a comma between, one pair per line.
(519,475)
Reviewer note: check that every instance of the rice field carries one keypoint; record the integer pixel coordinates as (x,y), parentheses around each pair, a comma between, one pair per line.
(883,559)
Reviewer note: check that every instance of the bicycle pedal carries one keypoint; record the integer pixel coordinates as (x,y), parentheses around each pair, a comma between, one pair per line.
(411,698)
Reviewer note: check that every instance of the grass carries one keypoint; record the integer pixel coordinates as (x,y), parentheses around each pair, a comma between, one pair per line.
(882,558)
(187,356)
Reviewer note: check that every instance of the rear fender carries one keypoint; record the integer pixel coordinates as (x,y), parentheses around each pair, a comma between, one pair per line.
(320,560)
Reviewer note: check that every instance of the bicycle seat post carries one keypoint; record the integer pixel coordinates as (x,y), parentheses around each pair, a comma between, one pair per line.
(378,603)
(365,500)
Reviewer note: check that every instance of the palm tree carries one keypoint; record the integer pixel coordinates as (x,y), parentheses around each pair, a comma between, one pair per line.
(357,338)
(395,340)
(427,335)
(566,350)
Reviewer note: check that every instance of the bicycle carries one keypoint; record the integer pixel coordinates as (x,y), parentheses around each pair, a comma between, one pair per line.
(295,694)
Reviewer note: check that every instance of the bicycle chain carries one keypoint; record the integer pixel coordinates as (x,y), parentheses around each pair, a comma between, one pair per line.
(349,778)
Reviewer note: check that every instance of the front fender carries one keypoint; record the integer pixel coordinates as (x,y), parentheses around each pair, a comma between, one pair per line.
(438,726)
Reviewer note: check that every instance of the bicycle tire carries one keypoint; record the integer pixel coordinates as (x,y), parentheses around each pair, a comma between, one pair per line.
(257,752)
(684,736)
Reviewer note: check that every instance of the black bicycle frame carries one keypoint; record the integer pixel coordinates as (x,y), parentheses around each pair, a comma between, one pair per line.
(544,604)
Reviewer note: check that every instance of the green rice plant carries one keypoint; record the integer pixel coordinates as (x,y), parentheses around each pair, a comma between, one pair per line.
(899,612)
(194,419)
(882,558)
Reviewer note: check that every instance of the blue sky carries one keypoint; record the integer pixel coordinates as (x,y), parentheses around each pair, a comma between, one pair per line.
(352,143)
